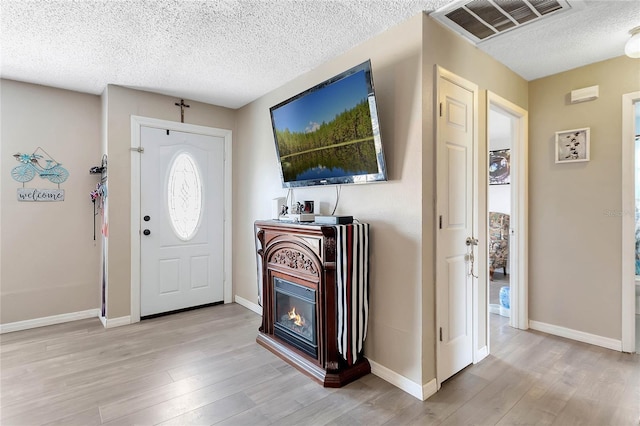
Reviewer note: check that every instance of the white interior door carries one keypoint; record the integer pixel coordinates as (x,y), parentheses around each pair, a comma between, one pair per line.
(181,220)
(455,189)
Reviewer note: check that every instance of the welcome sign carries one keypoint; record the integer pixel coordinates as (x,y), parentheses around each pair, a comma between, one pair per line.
(32,194)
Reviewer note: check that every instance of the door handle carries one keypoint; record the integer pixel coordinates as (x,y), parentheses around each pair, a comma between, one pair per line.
(469,257)
(146,232)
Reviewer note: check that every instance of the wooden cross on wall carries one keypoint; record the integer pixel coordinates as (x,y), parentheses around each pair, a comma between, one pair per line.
(182,106)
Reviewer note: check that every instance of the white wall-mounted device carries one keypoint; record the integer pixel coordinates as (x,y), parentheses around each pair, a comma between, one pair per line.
(585,94)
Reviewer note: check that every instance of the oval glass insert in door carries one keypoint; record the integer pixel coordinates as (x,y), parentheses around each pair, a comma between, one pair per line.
(184,196)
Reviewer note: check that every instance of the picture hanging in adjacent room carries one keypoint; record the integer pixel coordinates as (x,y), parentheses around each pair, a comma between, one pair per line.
(572,145)
(499,167)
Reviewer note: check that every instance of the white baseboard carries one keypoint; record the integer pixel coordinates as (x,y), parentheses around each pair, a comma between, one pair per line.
(429,389)
(115,322)
(580,336)
(422,392)
(481,354)
(42,322)
(249,305)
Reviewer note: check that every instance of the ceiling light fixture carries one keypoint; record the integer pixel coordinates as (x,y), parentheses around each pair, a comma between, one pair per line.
(632,48)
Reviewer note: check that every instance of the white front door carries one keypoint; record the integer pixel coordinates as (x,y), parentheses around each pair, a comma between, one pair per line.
(455,188)
(181,220)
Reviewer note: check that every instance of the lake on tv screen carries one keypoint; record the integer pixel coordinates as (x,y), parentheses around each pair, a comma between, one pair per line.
(353,159)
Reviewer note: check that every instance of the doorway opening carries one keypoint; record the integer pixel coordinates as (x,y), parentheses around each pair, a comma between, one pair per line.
(636,122)
(507,218)
(637,218)
(630,222)
(499,142)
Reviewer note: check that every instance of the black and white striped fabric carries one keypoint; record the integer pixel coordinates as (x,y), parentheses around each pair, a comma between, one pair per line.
(352,277)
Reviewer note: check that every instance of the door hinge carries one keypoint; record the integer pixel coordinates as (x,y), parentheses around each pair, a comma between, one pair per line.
(440,222)
(440,109)
(441,334)
(138,149)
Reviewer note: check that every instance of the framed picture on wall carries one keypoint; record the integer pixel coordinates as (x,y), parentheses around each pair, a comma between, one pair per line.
(500,167)
(572,146)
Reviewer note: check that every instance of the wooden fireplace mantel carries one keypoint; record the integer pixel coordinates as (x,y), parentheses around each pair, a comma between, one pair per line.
(304,254)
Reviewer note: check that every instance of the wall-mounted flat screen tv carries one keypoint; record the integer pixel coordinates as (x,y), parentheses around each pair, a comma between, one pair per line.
(329,134)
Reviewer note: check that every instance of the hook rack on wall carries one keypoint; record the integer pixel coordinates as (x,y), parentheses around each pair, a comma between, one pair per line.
(100,193)
(101,169)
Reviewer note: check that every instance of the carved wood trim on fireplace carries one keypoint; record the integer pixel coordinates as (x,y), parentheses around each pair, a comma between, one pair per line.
(303,256)
(294,259)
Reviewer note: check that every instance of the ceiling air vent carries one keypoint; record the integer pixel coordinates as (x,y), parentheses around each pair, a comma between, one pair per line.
(480,20)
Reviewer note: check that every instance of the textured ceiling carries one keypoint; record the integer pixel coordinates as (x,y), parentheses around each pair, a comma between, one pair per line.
(230,52)
(595,31)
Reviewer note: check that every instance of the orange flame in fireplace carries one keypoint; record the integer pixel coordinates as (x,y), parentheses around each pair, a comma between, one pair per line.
(298,320)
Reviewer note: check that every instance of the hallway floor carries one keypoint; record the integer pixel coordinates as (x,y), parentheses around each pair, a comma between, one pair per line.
(204,367)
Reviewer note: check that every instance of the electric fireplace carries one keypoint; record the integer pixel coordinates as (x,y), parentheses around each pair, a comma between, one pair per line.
(295,315)
(308,318)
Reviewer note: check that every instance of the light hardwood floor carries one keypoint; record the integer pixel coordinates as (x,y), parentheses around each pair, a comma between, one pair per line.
(204,367)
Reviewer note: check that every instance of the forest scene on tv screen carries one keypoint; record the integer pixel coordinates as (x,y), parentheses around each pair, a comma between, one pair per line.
(327,133)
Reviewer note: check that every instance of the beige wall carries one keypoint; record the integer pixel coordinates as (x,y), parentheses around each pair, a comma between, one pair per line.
(392,208)
(575,247)
(49,258)
(121,104)
(400,211)
(443,48)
